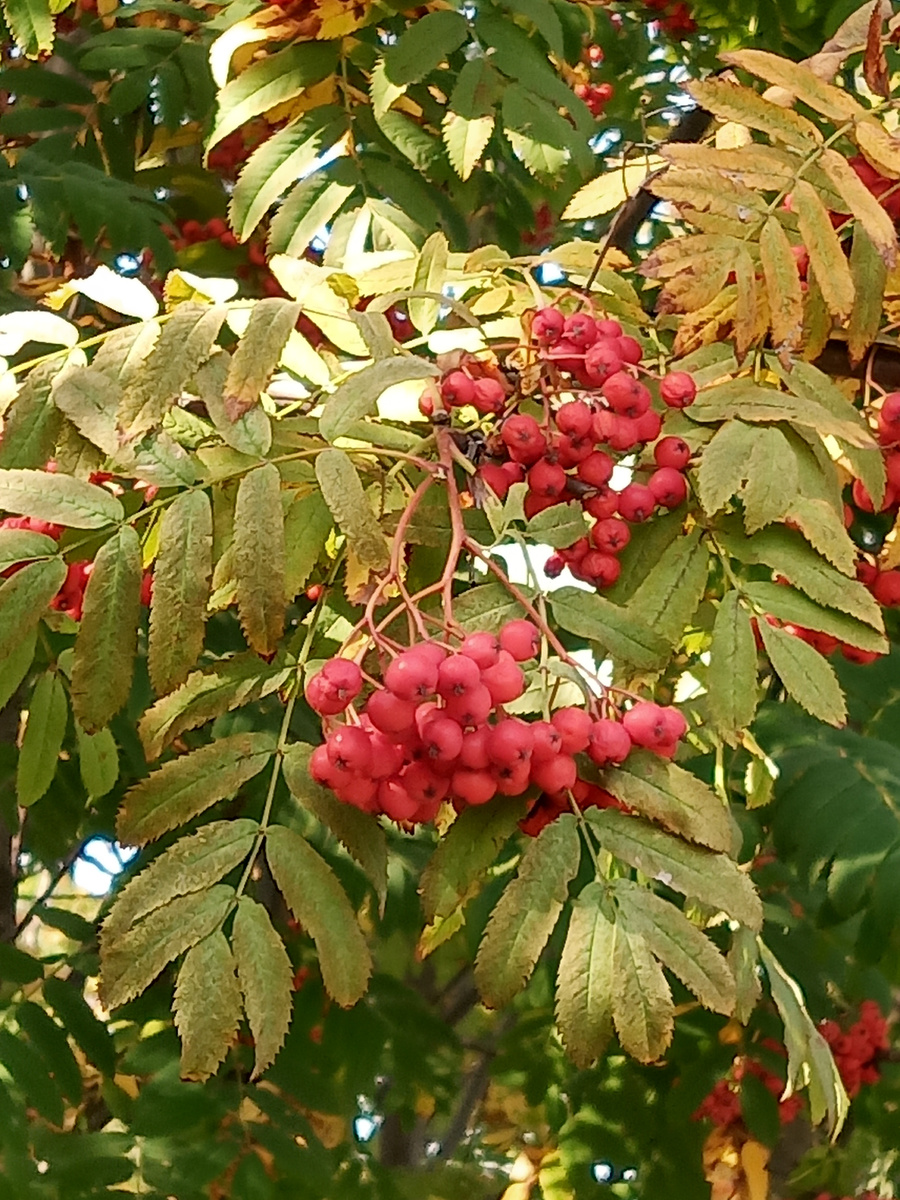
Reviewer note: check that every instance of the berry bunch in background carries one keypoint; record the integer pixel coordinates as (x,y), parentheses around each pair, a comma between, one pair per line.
(434,728)
(858,1051)
(723,1104)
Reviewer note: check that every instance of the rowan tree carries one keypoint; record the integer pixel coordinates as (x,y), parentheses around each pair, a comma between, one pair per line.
(449,478)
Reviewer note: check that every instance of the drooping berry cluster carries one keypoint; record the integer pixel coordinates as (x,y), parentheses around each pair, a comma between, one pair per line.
(858,1051)
(572,453)
(435,729)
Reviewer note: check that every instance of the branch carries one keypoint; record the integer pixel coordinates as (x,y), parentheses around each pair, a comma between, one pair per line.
(474,1089)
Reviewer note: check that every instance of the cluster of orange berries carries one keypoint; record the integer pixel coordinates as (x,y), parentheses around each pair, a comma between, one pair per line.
(723,1104)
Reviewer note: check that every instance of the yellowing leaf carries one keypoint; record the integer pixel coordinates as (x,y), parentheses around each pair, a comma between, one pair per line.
(881,148)
(643,1012)
(23,601)
(808,677)
(862,205)
(610,190)
(586,979)
(344,495)
(58,498)
(259,554)
(265,975)
(181,582)
(258,353)
(782,278)
(207,1006)
(732,102)
(832,102)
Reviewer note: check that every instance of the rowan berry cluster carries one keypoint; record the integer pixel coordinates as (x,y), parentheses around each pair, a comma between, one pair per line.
(596,96)
(572,453)
(434,728)
(858,1051)
(229,154)
(676,19)
(723,1104)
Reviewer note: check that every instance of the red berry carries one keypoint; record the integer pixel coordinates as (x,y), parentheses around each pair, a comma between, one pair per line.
(547,326)
(636,502)
(554,775)
(601,361)
(489,396)
(866,572)
(458,675)
(892,468)
(216,227)
(389,713)
(886,589)
(511,781)
(630,350)
(520,639)
(611,535)
(572,451)
(349,749)
(422,784)
(344,675)
(863,500)
(442,740)
(608,328)
(609,742)
(554,566)
(546,741)
(524,439)
(574,726)
(574,419)
(649,426)
(457,389)
(889,418)
(394,800)
(410,676)
(600,568)
(581,329)
(626,395)
(321,767)
(678,389)
(596,469)
(474,754)
(509,743)
(496,479)
(482,648)
(604,503)
(547,479)
(359,790)
(475,787)
(625,433)
(505,681)
(672,452)
(668,486)
(472,708)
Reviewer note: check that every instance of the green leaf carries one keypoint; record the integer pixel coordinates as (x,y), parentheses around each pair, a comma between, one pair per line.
(423,45)
(542,16)
(358,832)
(90,399)
(123,351)
(191,865)
(430,276)
(320,904)
(792,606)
(258,353)
(17,966)
(181,582)
(787,552)
(712,879)
(98,760)
(48,715)
(311,204)
(23,601)
(53,1046)
(469,120)
(810,1063)
(824,529)
(743,959)
(806,675)
(586,979)
(15,665)
(24,1065)
(559,526)
(21,545)
(643,1013)
(344,495)
(130,962)
(184,787)
(678,944)
(107,639)
(279,161)
(672,796)
(207,1006)
(416,143)
(259,555)
(869,279)
(487,606)
(539,136)
(251,433)
(58,498)
(307,524)
(592,617)
(673,588)
(265,975)
(205,695)
(527,912)
(826,252)
(731,678)
(31,424)
(754,404)
(723,465)
(456,870)
(358,395)
(772,479)
(270,82)
(91,1034)
(31,24)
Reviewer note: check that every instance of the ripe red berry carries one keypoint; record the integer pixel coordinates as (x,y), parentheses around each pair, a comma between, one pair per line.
(609,328)
(442,740)
(889,418)
(547,479)
(626,395)
(422,784)
(596,469)
(216,227)
(866,572)
(601,361)
(886,589)
(630,350)
(489,396)
(554,566)
(863,500)
(546,741)
(471,708)
(394,800)
(511,781)
(359,790)
(509,743)
(678,389)
(389,713)
(574,419)
(523,438)
(609,742)
(572,451)
(636,502)
(457,389)
(892,468)
(411,676)
(547,326)
(344,675)
(482,648)
(653,727)
(554,775)
(672,452)
(474,753)
(574,727)
(604,503)
(321,767)
(581,329)
(649,426)
(458,675)
(669,487)
(496,478)
(611,535)
(349,749)
(505,680)
(475,787)
(600,568)
(520,639)
(626,432)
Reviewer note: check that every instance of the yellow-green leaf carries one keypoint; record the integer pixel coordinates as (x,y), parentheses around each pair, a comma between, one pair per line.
(675,798)
(869,279)
(344,495)
(207,1006)
(586,979)
(643,1012)
(58,498)
(862,205)
(731,676)
(48,714)
(259,554)
(181,582)
(808,677)
(430,276)
(358,395)
(23,601)
(832,102)
(782,286)
(265,975)
(258,353)
(732,102)
(826,253)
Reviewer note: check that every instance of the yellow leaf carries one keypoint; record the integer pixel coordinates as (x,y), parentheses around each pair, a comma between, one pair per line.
(754,1160)
(879,147)
(700,280)
(708,191)
(610,190)
(268,23)
(832,102)
(765,168)
(710,324)
(751,315)
(731,102)
(826,253)
(782,285)
(862,204)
